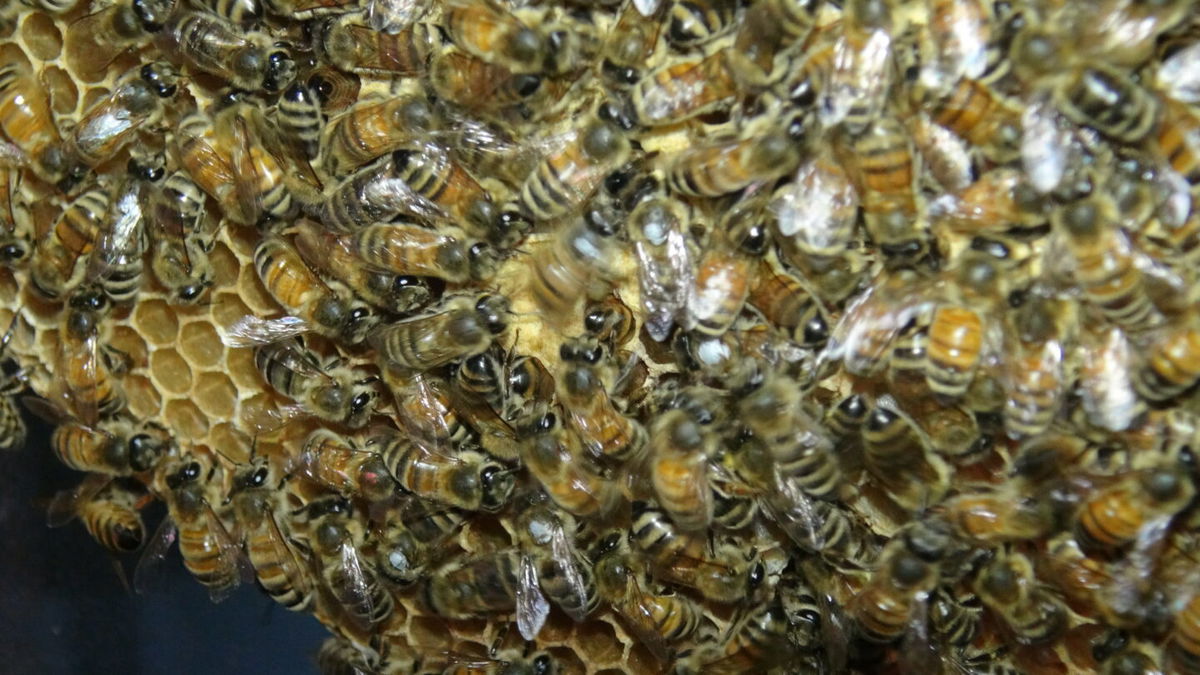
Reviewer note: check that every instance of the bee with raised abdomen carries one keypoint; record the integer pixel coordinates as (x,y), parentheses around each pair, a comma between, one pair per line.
(335,535)
(265,528)
(461,327)
(114,121)
(467,479)
(332,392)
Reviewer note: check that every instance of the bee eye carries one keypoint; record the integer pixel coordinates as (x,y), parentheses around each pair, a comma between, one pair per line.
(260,477)
(360,402)
(548,422)
(594,321)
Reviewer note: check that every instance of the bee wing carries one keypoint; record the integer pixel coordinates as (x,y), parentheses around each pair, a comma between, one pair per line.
(532,606)
(229,556)
(917,651)
(945,154)
(396,194)
(12,157)
(868,327)
(355,578)
(251,330)
(148,573)
(65,503)
(422,417)
(635,609)
(647,7)
(104,123)
(1043,146)
(819,205)
(393,16)
(568,563)
(796,513)
(45,409)
(123,240)
(860,77)
(1179,75)
(665,277)
(1105,381)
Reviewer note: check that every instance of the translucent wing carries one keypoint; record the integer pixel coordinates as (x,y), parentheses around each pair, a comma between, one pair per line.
(1105,382)
(945,154)
(1179,75)
(1043,146)
(636,610)
(860,78)
(567,560)
(665,275)
(819,207)
(251,330)
(355,591)
(65,504)
(229,557)
(532,606)
(122,242)
(148,573)
(647,7)
(393,16)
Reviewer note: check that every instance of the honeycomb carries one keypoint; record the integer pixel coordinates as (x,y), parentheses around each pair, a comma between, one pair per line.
(1064,541)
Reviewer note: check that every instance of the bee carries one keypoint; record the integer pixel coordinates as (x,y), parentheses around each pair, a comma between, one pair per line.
(331,392)
(729,165)
(114,448)
(484,87)
(118,260)
(355,48)
(564,574)
(999,516)
(567,176)
(691,23)
(55,265)
(1038,376)
(955,616)
(340,464)
(210,44)
(630,45)
(658,619)
(208,551)
(300,118)
(885,175)
(107,510)
(679,453)
(26,120)
(734,506)
(481,586)
(759,639)
(897,453)
(335,258)
(258,508)
(461,327)
(554,455)
(858,73)
(426,409)
(376,193)
(764,35)
(1105,268)
(790,305)
(977,114)
(266,185)
(374,128)
(205,157)
(418,251)
(86,368)
(483,378)
(244,13)
(726,575)
(16,228)
(681,90)
(610,321)
(314,305)
(1168,369)
(507,662)
(577,263)
(606,433)
(335,536)
(908,571)
(93,42)
(179,254)
(336,90)
(818,526)
(868,327)
(531,388)
(114,121)
(723,274)
(961,37)
(52,6)
(960,336)
(467,479)
(1175,141)
(408,543)
(1127,511)
(1008,587)
(656,226)
(338,656)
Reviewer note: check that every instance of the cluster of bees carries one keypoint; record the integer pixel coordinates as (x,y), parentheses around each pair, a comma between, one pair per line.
(779,335)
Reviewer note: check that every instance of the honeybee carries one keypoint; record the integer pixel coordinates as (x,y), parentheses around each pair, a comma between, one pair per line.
(179,255)
(483,87)
(408,543)
(373,128)
(607,434)
(870,324)
(89,387)
(106,509)
(481,586)
(734,507)
(759,639)
(356,48)
(335,535)
(466,479)
(723,274)
(1009,588)
(56,260)
(1000,198)
(329,391)
(764,35)
(1105,268)
(338,656)
(630,44)
(577,263)
(258,508)
(554,455)
(118,260)
(955,616)
(340,464)
(376,193)
(205,157)
(208,551)
(507,662)
(268,186)
(961,36)
(299,116)
(460,327)
(885,174)
(568,175)
(92,42)
(692,23)
(16,228)
(1171,366)
(679,451)
(1183,642)
(334,258)
(335,89)
(659,620)
(1037,380)
(1131,510)
(859,75)
(963,334)
(25,119)
(425,408)
(681,90)
(730,165)
(788,303)
(726,575)
(656,226)
(999,516)
(314,306)
(115,120)
(210,44)
(908,570)
(978,115)
(818,526)
(897,453)
(564,574)
(113,448)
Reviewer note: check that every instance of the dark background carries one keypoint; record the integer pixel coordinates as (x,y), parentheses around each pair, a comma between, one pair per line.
(63,608)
